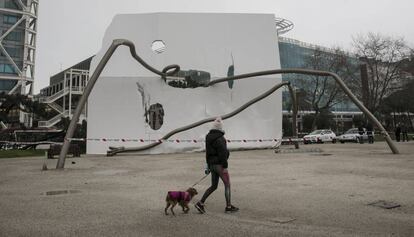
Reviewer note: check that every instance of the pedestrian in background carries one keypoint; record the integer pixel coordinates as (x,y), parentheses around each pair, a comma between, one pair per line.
(370,133)
(404,132)
(361,134)
(398,133)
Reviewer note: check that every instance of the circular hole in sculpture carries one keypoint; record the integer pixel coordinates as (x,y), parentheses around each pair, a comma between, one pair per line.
(158,46)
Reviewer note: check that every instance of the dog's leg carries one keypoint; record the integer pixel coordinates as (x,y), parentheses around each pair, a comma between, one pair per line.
(182,206)
(166,208)
(172,206)
(185,208)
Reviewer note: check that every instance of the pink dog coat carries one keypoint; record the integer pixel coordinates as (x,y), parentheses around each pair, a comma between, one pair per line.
(179,196)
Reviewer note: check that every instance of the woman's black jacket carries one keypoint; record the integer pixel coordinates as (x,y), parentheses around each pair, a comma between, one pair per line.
(216,148)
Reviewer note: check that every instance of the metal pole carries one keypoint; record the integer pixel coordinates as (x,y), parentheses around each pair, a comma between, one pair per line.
(64,96)
(294,114)
(366,112)
(70,93)
(81,104)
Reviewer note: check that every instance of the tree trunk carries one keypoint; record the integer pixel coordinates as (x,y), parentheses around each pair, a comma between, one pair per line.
(315,118)
(394,119)
(409,120)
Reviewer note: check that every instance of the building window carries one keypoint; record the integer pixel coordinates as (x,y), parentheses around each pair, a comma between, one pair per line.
(14,52)
(7,68)
(11,4)
(6,85)
(14,36)
(8,19)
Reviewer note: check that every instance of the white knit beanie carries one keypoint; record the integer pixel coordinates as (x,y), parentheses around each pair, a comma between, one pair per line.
(218,124)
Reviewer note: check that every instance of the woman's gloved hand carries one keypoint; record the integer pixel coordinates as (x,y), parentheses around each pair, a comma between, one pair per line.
(206,170)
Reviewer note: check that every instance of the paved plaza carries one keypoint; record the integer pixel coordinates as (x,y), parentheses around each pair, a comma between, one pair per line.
(279,194)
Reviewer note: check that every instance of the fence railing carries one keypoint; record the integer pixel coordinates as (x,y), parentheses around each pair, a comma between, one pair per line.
(56,107)
(53,120)
(48,99)
(54,96)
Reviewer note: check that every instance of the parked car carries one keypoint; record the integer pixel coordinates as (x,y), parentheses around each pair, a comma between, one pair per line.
(352,135)
(320,136)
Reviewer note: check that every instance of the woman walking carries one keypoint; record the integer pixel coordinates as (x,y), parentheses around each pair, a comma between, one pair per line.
(217,155)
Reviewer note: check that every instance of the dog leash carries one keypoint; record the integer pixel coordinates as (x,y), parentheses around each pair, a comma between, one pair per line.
(205,176)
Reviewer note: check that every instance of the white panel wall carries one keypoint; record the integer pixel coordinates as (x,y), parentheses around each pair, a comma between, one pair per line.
(195,41)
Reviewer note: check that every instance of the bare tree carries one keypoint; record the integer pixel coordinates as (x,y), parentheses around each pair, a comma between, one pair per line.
(382,56)
(401,102)
(322,93)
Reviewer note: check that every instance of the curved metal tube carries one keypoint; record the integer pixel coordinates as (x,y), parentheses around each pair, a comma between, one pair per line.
(165,73)
(320,73)
(115,44)
(116,150)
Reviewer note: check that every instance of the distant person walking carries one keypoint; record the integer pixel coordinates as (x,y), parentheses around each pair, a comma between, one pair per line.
(404,132)
(398,133)
(361,134)
(370,133)
(217,155)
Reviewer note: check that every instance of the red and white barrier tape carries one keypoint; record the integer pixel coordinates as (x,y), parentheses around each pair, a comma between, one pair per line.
(169,140)
(289,140)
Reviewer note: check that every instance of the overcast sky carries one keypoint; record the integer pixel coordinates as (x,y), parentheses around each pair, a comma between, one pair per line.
(72,30)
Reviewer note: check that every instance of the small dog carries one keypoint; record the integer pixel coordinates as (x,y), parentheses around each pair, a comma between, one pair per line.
(182,198)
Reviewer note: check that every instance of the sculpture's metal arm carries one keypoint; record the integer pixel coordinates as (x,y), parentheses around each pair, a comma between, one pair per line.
(167,72)
(338,80)
(92,80)
(115,150)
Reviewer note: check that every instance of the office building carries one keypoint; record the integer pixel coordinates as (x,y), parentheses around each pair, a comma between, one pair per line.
(18,28)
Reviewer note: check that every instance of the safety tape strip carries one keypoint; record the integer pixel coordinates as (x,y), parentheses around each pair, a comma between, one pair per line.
(181,140)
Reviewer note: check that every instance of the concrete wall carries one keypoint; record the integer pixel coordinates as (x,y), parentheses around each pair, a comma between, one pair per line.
(196,41)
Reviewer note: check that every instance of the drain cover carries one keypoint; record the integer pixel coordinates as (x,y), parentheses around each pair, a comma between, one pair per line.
(61,192)
(384,204)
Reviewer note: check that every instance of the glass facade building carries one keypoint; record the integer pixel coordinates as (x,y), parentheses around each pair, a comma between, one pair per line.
(18,29)
(18,22)
(294,54)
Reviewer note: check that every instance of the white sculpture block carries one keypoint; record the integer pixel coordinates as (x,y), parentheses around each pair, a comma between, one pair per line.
(130,105)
